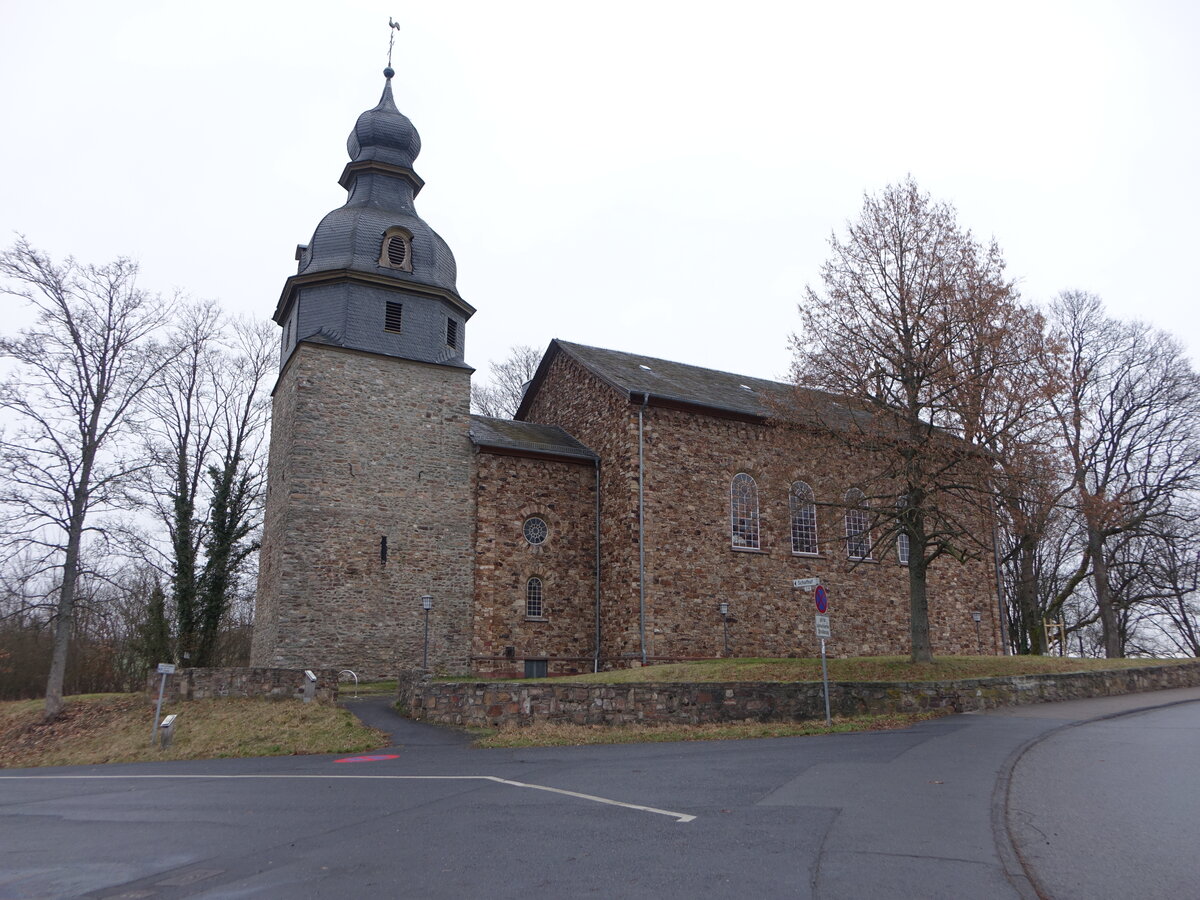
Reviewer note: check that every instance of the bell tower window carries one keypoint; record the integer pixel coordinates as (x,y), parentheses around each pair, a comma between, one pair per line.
(396,252)
(393,317)
(451,334)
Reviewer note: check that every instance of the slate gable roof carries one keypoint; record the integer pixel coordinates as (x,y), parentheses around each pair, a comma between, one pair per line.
(672,383)
(527,438)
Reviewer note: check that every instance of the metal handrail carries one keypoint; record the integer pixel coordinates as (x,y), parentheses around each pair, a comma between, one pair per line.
(355,677)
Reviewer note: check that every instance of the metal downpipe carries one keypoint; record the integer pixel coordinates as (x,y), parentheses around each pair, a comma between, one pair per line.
(642,528)
(596,658)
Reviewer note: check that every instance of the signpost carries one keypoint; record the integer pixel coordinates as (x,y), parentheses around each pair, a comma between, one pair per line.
(164,669)
(821,599)
(806,584)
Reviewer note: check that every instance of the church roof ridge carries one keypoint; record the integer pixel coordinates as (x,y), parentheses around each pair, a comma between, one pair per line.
(666,382)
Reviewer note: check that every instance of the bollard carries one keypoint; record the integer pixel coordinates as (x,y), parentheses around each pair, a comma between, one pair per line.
(166,731)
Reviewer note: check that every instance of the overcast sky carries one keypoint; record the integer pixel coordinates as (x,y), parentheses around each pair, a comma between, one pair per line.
(658,177)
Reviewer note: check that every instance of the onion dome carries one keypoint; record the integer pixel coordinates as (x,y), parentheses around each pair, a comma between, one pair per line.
(384,133)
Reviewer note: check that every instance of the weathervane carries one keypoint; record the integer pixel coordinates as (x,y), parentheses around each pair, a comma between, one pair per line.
(393,27)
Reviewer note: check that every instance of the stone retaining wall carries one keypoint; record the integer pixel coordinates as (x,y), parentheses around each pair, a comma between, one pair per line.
(521,703)
(244,681)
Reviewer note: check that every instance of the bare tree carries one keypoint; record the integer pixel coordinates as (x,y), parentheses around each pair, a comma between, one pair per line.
(79,371)
(206,444)
(1128,414)
(914,329)
(501,397)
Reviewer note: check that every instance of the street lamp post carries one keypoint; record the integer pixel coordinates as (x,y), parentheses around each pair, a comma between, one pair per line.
(978,640)
(427,605)
(725,625)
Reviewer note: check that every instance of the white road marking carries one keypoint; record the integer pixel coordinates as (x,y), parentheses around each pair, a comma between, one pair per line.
(679,817)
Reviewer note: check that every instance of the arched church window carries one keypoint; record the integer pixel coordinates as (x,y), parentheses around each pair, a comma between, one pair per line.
(396,252)
(858,525)
(534,607)
(803,508)
(743,512)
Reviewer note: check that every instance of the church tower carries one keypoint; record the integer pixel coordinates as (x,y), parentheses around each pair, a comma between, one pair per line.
(370,504)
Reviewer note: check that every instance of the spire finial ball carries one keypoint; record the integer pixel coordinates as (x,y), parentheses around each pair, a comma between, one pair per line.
(389,72)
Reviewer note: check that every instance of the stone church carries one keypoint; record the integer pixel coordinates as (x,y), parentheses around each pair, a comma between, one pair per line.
(635,511)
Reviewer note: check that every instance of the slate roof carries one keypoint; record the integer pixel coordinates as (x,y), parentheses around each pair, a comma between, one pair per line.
(664,381)
(382,186)
(527,438)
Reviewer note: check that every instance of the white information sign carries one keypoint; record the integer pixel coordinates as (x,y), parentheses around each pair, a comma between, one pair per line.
(166,668)
(805,584)
(823,627)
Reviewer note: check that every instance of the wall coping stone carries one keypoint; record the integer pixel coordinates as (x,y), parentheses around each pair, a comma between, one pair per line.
(499,703)
(243,681)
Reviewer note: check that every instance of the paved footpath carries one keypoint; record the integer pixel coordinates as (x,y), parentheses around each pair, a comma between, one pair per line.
(925,812)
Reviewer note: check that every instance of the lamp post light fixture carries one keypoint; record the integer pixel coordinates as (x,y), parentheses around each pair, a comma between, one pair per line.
(725,625)
(427,605)
(977,616)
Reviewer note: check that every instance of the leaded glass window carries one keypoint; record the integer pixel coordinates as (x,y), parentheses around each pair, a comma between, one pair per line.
(534,608)
(535,530)
(858,525)
(743,512)
(803,509)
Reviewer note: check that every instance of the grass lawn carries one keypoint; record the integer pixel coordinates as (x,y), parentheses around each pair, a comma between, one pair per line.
(108,728)
(347,689)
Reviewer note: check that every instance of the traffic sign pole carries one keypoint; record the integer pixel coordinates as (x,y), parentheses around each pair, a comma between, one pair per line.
(825,678)
(164,669)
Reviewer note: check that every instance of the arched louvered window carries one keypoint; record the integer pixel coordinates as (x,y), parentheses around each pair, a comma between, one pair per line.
(803,510)
(858,525)
(743,512)
(396,252)
(534,601)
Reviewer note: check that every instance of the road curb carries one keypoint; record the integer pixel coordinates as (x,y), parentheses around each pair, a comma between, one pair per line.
(1019,873)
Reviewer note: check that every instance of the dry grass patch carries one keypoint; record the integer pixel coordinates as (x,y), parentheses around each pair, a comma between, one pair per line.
(109,728)
(546,734)
(864,668)
(347,690)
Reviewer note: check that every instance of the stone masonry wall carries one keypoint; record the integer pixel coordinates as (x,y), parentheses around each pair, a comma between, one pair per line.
(691,566)
(366,447)
(491,704)
(244,681)
(595,414)
(510,490)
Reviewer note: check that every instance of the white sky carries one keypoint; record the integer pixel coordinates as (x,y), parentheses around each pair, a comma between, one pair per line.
(658,177)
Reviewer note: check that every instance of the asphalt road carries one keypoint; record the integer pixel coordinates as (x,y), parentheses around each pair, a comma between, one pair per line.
(925,812)
(1111,808)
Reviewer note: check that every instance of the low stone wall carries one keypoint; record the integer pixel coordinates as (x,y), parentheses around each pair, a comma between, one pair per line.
(244,681)
(521,703)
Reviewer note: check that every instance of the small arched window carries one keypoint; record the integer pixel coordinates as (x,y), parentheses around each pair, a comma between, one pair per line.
(743,512)
(858,525)
(534,601)
(396,252)
(902,541)
(803,509)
